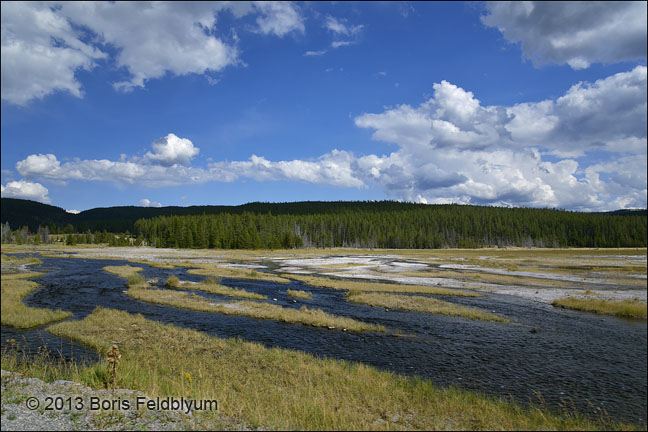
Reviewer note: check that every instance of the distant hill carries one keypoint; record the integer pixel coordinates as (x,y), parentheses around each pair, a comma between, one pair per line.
(19,212)
(379,224)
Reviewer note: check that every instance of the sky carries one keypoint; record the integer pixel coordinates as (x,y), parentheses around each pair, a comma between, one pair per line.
(515,104)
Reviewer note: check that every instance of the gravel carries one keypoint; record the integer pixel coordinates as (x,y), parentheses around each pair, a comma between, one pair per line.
(30,404)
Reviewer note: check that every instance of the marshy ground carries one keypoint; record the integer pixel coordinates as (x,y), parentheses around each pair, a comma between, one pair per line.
(575,362)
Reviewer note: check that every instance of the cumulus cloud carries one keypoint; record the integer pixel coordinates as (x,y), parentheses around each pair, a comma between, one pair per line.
(575,33)
(45,44)
(169,164)
(145,202)
(26,190)
(40,53)
(449,148)
(454,149)
(172,150)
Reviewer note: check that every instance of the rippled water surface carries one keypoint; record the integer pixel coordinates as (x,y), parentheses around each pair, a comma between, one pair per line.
(563,355)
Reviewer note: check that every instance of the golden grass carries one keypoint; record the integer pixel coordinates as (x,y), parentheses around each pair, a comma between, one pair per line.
(476,276)
(14,288)
(16,261)
(422,304)
(620,308)
(215,270)
(375,286)
(282,389)
(212,286)
(140,290)
(300,294)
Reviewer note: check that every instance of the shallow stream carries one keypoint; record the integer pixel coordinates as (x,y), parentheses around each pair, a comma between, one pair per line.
(562,355)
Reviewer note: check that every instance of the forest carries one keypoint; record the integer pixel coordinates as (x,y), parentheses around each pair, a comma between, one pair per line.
(416,227)
(363,224)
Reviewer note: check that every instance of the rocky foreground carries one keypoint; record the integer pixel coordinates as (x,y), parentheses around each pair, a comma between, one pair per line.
(32,404)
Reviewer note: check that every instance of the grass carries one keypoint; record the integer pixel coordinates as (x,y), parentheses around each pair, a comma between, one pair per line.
(422,304)
(212,286)
(16,261)
(140,290)
(384,287)
(623,308)
(282,389)
(300,294)
(15,287)
(215,270)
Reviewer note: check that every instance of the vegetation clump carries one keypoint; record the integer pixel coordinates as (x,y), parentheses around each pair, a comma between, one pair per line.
(299,294)
(15,287)
(620,308)
(422,304)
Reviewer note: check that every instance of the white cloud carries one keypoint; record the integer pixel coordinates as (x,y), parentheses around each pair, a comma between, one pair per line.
(45,44)
(145,202)
(279,18)
(575,33)
(40,53)
(72,211)
(25,190)
(338,44)
(450,148)
(334,168)
(172,150)
(453,149)
(339,26)
(315,53)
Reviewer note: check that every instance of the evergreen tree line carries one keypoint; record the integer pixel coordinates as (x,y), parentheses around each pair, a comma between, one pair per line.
(430,227)
(68,236)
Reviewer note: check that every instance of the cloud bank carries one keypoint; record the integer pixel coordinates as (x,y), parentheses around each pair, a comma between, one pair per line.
(450,148)
(48,42)
(575,33)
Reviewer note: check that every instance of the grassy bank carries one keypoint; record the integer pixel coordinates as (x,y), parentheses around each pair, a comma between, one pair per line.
(140,290)
(216,270)
(212,286)
(283,389)
(15,287)
(382,287)
(623,309)
(299,294)
(422,304)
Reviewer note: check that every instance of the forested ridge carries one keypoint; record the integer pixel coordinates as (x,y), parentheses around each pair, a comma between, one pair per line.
(395,225)
(368,224)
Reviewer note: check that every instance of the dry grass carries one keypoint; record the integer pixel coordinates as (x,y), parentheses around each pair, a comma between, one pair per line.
(623,309)
(383,287)
(212,286)
(139,289)
(422,304)
(282,389)
(15,287)
(215,270)
(300,294)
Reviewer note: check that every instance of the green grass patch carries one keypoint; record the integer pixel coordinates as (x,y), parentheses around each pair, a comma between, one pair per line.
(382,287)
(283,389)
(620,308)
(15,287)
(422,304)
(299,294)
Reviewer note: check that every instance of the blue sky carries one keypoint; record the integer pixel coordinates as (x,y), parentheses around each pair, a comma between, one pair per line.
(507,104)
